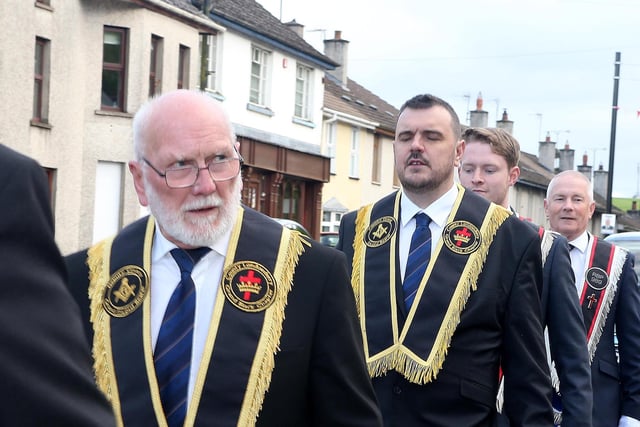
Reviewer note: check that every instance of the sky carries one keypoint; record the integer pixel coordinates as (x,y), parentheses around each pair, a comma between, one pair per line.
(549,63)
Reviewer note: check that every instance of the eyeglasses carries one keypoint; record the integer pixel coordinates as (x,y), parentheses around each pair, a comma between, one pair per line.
(186,176)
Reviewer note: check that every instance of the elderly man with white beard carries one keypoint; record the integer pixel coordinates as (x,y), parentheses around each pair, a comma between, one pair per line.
(208,312)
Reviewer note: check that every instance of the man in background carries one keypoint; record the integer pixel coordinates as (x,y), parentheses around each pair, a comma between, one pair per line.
(607,287)
(489,167)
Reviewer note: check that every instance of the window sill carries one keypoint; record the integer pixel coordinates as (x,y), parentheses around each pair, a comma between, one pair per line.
(42,125)
(355,178)
(215,95)
(303,122)
(43,6)
(260,110)
(113,113)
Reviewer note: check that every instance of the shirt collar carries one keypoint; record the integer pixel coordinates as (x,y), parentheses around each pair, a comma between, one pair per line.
(581,242)
(438,211)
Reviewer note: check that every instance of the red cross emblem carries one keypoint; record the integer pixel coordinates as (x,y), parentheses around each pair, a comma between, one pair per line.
(252,279)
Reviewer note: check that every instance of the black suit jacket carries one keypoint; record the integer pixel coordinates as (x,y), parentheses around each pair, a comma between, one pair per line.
(500,323)
(567,335)
(320,378)
(45,362)
(616,384)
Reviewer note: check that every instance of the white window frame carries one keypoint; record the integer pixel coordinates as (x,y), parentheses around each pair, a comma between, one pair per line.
(331,146)
(211,66)
(302,100)
(262,59)
(354,161)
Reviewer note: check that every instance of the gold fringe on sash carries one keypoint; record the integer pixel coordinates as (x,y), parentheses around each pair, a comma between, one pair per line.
(362,219)
(291,248)
(98,263)
(407,362)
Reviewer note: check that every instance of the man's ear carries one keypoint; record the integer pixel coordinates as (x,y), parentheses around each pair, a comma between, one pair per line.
(138,182)
(514,174)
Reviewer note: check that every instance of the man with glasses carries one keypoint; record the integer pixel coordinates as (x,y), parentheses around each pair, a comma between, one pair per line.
(207,312)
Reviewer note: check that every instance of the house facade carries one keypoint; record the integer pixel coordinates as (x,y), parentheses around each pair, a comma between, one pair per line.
(74,72)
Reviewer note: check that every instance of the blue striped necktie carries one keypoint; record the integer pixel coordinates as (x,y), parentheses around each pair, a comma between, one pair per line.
(172,355)
(419,254)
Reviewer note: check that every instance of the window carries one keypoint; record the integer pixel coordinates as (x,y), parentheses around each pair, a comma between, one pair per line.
(155,66)
(354,159)
(41,81)
(183,67)
(114,65)
(259,69)
(107,208)
(303,83)
(208,60)
(330,221)
(51,181)
(331,146)
(377,159)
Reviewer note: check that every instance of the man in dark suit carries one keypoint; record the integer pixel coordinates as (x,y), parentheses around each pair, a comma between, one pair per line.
(610,300)
(437,333)
(272,337)
(489,167)
(45,361)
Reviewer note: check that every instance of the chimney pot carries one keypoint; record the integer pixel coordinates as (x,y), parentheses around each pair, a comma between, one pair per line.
(338,35)
(585,159)
(505,116)
(547,138)
(479,102)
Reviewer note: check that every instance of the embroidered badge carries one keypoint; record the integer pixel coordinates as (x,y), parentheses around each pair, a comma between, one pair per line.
(249,286)
(596,278)
(125,291)
(380,232)
(461,237)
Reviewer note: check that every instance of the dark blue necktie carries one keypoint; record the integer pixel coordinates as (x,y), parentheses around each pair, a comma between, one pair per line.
(419,254)
(172,355)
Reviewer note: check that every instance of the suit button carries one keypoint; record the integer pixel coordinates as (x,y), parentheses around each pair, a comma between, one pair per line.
(397,389)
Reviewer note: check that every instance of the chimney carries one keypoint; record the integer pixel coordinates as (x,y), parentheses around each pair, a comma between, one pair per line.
(584,168)
(296,28)
(600,181)
(566,157)
(547,153)
(478,118)
(204,5)
(505,123)
(338,50)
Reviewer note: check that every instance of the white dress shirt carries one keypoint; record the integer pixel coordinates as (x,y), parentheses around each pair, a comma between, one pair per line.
(579,249)
(165,277)
(438,211)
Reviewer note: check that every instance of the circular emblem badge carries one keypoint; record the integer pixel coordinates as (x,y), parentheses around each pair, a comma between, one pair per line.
(597,278)
(125,291)
(249,286)
(380,232)
(461,237)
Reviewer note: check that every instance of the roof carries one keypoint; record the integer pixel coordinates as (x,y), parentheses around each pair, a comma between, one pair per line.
(358,101)
(252,19)
(532,172)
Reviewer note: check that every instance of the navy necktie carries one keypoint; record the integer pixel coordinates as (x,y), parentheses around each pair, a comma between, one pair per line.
(172,355)
(419,254)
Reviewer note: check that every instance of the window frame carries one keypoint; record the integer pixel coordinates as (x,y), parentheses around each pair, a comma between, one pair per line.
(155,65)
(41,76)
(209,45)
(261,98)
(354,155)
(302,100)
(184,59)
(119,67)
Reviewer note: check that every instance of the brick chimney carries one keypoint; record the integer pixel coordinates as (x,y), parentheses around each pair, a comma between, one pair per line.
(296,28)
(338,50)
(600,181)
(547,153)
(584,168)
(566,158)
(505,123)
(478,118)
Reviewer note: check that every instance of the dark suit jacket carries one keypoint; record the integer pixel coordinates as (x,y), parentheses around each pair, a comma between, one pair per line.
(501,322)
(45,362)
(562,315)
(616,385)
(320,378)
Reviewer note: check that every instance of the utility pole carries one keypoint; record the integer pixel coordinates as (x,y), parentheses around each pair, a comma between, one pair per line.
(612,144)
